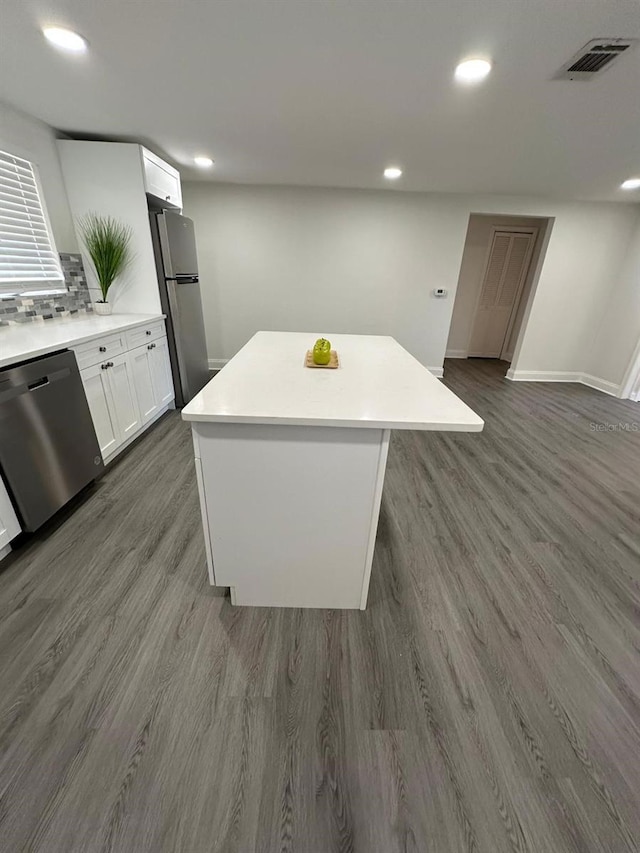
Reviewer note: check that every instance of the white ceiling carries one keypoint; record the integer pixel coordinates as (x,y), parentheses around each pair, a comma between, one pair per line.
(328,92)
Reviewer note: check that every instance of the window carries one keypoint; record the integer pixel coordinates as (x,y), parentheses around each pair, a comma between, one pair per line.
(29,262)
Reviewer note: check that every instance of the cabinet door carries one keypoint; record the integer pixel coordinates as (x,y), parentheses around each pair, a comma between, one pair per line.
(9,524)
(161,180)
(123,393)
(97,388)
(161,372)
(141,367)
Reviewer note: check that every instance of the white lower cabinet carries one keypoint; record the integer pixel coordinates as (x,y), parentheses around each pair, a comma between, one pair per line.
(161,372)
(152,376)
(9,524)
(125,392)
(96,386)
(141,367)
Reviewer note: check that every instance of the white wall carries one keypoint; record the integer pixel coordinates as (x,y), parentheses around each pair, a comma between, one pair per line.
(366,262)
(616,334)
(472,270)
(326,261)
(581,268)
(107,178)
(27,137)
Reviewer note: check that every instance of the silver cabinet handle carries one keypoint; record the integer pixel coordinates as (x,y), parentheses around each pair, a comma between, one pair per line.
(151,346)
(102,349)
(147,332)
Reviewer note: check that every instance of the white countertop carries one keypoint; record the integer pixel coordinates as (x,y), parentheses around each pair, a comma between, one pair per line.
(29,340)
(378,384)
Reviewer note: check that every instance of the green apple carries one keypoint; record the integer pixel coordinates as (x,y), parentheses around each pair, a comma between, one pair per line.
(322,351)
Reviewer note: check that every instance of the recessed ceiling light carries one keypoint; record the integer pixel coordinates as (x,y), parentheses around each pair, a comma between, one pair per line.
(631,184)
(65,39)
(203,162)
(472,70)
(392,173)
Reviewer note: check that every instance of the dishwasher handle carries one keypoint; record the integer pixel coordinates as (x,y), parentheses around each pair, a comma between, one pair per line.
(13,391)
(44,380)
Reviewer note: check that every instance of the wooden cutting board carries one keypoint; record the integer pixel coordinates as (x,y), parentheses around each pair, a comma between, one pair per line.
(334,361)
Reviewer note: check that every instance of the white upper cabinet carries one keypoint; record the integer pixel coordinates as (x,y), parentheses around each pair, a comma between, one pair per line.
(161,180)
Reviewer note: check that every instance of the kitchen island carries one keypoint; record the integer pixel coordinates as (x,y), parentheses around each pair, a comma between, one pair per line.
(290,463)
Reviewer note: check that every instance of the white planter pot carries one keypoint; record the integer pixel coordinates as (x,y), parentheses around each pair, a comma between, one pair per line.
(102,307)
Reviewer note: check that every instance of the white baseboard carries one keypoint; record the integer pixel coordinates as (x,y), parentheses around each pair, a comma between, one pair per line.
(543,375)
(601,385)
(456,353)
(438,372)
(565,376)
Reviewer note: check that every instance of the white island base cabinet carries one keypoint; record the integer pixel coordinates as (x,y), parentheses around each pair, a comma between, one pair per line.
(290,463)
(291,511)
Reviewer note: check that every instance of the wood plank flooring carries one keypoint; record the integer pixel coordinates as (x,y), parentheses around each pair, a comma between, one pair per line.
(488,700)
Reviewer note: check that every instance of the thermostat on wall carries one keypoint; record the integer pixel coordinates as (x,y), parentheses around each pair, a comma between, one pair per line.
(440,292)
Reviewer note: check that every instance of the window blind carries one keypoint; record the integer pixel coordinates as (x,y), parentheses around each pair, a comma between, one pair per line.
(28,257)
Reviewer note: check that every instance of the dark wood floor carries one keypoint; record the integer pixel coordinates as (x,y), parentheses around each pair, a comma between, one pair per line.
(488,700)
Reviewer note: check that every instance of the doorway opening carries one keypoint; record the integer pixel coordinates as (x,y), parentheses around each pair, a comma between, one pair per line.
(500,266)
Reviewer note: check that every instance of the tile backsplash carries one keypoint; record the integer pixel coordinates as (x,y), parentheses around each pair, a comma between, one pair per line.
(21,309)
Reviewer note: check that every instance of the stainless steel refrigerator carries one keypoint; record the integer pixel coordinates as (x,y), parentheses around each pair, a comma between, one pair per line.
(174,247)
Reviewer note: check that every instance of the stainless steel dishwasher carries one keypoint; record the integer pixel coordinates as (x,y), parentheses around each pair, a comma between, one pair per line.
(48,446)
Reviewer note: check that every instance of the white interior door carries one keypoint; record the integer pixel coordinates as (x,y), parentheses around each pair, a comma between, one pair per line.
(504,277)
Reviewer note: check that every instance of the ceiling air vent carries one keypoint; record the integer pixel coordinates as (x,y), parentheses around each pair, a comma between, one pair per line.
(595,57)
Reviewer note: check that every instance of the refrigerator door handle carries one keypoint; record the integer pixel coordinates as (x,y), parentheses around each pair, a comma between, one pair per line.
(184,279)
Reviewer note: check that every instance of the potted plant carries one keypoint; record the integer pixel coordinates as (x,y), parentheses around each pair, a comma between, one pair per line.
(108,243)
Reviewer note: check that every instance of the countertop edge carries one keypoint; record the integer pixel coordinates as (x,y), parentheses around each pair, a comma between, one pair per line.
(80,339)
(432,426)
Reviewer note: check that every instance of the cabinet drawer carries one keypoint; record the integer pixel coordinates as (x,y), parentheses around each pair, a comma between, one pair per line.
(100,349)
(145,334)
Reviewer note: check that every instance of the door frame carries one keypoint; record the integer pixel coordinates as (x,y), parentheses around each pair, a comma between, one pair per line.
(630,389)
(509,229)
